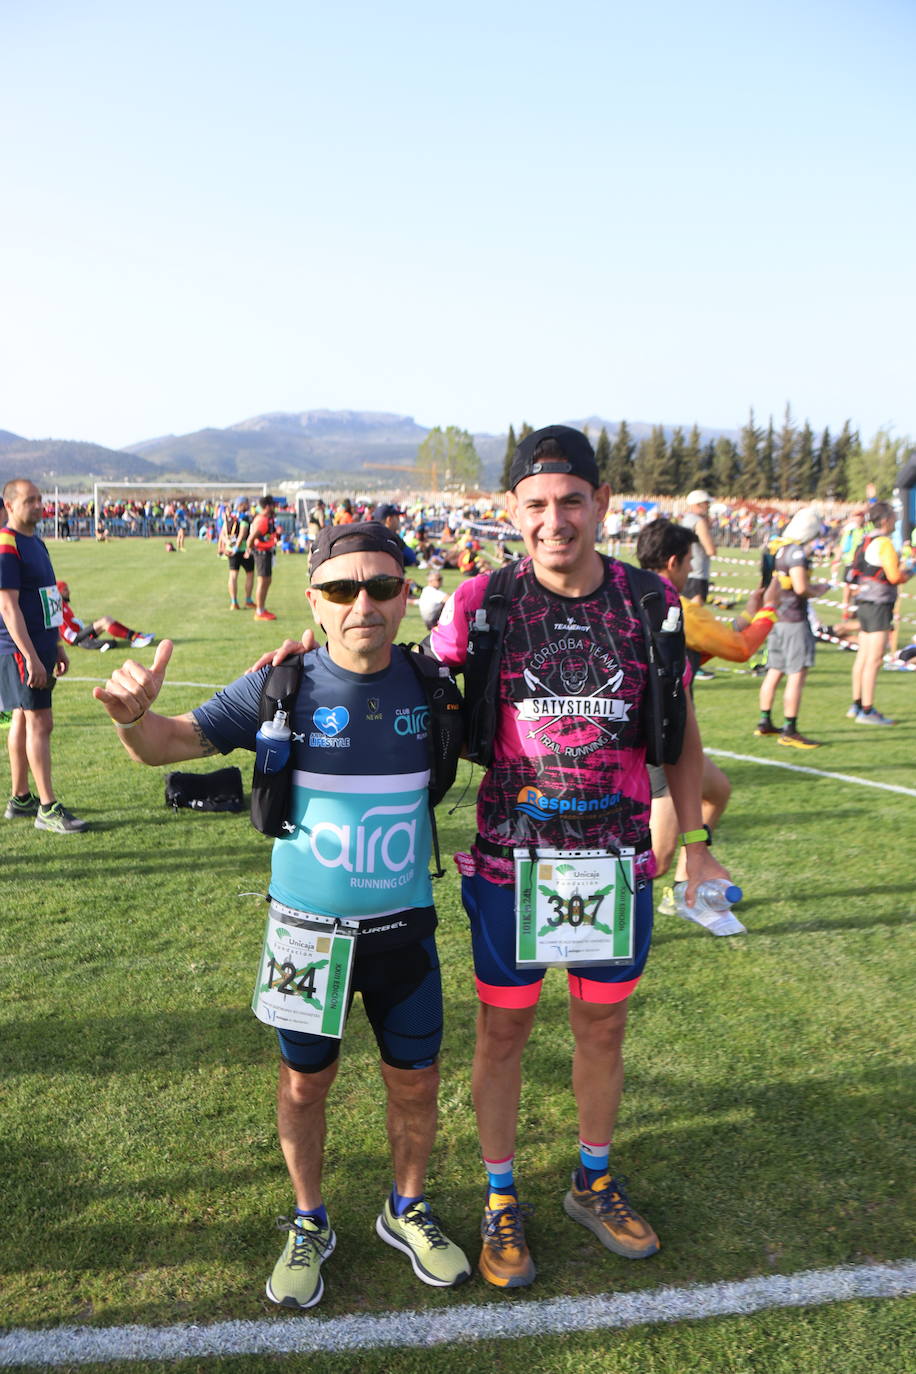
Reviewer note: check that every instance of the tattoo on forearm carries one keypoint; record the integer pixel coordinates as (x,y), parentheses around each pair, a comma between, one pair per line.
(207,747)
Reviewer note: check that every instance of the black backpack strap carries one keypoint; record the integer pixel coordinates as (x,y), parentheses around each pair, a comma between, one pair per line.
(280,688)
(666,653)
(481,668)
(270,792)
(445,732)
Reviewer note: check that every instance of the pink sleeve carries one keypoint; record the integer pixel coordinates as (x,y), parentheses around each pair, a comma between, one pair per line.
(449,637)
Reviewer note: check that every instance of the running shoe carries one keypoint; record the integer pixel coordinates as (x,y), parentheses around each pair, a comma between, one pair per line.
(264,615)
(296,1280)
(250,605)
(16,808)
(854,712)
(794,740)
(505,1260)
(57,818)
(704,675)
(605,1210)
(418,1234)
(873,717)
(667,906)
(766,727)
(141,641)
(234,606)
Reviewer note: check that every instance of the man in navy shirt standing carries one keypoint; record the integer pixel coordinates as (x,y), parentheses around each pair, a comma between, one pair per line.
(31,658)
(357,851)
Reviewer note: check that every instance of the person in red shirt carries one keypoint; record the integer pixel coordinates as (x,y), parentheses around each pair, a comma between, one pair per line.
(102,633)
(262,538)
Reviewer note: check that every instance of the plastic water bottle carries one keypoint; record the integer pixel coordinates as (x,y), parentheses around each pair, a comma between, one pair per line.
(719,894)
(712,907)
(272,744)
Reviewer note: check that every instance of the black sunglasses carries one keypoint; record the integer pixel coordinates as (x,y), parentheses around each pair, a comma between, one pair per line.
(343,591)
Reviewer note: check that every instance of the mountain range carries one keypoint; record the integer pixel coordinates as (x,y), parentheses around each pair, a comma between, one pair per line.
(317,447)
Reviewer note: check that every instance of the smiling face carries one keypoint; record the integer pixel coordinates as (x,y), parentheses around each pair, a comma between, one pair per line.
(558,517)
(360,635)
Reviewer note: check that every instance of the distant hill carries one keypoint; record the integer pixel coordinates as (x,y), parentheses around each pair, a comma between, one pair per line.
(47,461)
(368,448)
(312,444)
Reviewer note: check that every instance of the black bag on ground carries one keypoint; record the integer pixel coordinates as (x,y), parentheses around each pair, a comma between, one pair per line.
(219,791)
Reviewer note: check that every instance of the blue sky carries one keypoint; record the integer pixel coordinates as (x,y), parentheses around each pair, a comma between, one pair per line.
(485,214)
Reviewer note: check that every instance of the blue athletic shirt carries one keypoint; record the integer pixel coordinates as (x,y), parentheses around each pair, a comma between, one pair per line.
(25,567)
(360,796)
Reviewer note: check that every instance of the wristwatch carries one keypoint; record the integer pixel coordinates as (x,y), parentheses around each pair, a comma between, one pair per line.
(694,836)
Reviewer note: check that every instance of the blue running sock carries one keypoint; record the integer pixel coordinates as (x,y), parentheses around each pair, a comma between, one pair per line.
(594,1160)
(501,1174)
(319,1214)
(400,1204)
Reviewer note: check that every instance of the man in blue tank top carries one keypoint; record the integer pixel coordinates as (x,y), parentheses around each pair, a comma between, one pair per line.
(358,851)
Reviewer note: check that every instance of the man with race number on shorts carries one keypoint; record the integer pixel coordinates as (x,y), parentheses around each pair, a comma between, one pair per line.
(358,851)
(568,773)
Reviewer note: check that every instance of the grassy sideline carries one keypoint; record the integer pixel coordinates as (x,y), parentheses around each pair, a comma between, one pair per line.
(762,1126)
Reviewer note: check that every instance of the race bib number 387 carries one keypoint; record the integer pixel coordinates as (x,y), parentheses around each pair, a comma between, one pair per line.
(304,977)
(573,909)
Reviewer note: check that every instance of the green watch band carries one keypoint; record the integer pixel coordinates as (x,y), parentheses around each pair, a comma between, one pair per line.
(704,834)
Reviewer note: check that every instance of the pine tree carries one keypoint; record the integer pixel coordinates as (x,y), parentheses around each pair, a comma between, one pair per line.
(677,461)
(705,478)
(876,464)
(650,468)
(692,461)
(603,455)
(724,465)
(785,456)
(620,468)
(766,485)
(805,475)
(824,469)
(749,442)
(843,444)
(511,446)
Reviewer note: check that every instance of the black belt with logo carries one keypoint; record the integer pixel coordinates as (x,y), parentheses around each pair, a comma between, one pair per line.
(507,851)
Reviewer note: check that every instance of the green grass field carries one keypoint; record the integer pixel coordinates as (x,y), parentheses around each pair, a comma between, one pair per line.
(763,1125)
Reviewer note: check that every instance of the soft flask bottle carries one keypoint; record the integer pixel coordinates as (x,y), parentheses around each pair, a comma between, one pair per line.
(272,744)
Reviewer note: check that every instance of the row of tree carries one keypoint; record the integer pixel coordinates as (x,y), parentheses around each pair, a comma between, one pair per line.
(790,464)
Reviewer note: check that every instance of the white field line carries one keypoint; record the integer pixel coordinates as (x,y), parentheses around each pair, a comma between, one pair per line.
(209,686)
(815,772)
(459,1325)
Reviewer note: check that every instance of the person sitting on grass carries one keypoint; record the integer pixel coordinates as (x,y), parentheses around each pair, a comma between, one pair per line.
(103,633)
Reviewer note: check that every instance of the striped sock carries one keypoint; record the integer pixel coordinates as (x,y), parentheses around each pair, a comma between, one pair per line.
(594,1159)
(501,1174)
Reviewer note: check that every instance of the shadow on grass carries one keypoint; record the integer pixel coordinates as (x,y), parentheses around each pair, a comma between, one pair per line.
(758,1179)
(176,1041)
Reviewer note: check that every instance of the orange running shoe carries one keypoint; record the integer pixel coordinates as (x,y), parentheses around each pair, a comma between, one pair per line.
(505,1260)
(606,1211)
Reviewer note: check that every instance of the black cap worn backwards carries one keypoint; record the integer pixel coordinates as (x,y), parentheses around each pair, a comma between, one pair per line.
(565,450)
(369,537)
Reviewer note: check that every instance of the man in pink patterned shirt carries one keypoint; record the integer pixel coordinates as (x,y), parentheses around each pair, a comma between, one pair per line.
(568,772)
